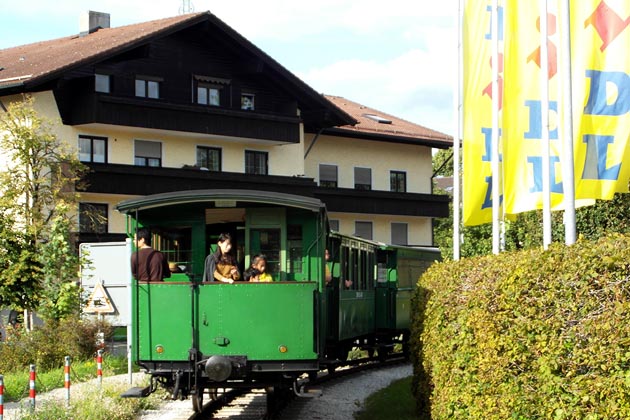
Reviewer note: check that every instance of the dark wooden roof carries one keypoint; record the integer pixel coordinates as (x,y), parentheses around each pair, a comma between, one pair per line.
(28,67)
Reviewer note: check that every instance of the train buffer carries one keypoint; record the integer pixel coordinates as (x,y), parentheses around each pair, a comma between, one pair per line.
(136,392)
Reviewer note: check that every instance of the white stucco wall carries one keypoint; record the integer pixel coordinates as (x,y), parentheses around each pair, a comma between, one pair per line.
(381,157)
(419,229)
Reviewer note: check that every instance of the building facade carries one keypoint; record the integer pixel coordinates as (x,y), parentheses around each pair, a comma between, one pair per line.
(187,103)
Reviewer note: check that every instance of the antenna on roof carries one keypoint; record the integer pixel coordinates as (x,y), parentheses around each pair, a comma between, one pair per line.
(186,7)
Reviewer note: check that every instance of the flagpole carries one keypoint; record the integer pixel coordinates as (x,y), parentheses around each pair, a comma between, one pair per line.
(568,167)
(457,111)
(544,88)
(496,197)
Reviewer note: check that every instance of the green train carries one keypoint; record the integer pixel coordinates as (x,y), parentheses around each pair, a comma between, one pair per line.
(195,337)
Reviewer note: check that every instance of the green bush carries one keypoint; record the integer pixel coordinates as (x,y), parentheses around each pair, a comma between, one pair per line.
(526,335)
(46,346)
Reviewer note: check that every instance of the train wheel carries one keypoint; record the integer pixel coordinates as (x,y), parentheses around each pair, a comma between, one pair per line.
(383,351)
(197,400)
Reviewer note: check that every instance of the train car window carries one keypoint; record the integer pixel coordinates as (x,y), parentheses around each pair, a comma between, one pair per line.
(354,272)
(294,244)
(345,264)
(363,271)
(371,267)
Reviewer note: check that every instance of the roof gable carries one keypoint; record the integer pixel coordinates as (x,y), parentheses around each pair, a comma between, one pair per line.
(29,67)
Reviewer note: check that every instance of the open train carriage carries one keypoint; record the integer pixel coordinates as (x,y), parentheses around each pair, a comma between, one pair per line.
(192,335)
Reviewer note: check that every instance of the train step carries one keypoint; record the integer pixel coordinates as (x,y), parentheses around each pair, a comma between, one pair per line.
(136,392)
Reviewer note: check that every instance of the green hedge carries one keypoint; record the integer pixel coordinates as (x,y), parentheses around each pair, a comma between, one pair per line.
(526,335)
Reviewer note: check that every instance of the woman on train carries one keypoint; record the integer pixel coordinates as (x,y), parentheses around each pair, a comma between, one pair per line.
(221,265)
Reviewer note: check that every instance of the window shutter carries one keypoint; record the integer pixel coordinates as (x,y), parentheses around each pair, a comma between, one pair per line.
(328,173)
(150,149)
(363,176)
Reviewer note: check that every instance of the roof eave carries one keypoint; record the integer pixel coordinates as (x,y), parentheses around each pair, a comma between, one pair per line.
(392,138)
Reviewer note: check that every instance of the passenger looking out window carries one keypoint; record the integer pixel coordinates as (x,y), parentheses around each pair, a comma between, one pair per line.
(259,262)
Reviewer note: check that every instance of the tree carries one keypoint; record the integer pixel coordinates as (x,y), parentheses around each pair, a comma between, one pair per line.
(525,230)
(37,187)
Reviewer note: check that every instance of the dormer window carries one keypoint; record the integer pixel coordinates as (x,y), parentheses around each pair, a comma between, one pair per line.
(102,83)
(209,90)
(148,87)
(247,101)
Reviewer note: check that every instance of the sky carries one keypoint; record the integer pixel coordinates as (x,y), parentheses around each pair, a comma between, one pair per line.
(397,56)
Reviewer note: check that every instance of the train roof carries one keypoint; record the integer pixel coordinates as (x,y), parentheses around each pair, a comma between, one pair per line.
(385,246)
(199,196)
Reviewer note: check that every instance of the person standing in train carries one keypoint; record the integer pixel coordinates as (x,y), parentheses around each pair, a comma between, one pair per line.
(148,264)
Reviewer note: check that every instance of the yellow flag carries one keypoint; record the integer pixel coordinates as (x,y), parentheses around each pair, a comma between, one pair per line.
(523,107)
(600,32)
(477,106)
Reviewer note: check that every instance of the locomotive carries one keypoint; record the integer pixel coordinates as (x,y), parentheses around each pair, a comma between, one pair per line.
(197,337)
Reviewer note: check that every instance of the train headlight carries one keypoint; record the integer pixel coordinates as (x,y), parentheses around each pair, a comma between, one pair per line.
(283,349)
(218,368)
(159,349)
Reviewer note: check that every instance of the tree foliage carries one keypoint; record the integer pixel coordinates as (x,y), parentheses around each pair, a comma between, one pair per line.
(37,190)
(525,231)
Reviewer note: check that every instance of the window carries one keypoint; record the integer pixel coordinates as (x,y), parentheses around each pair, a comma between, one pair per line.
(399,234)
(247,101)
(328,176)
(102,83)
(148,153)
(363,229)
(92,218)
(334,225)
(362,178)
(398,181)
(255,162)
(148,87)
(93,149)
(208,94)
(209,158)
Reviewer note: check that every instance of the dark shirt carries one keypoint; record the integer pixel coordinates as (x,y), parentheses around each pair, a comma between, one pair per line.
(149,265)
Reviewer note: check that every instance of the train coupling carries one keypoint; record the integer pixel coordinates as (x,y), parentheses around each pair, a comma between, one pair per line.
(307,391)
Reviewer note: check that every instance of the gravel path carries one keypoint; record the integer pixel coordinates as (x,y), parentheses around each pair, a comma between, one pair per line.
(346,396)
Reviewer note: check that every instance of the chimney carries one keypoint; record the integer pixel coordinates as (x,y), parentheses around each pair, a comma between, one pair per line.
(92,21)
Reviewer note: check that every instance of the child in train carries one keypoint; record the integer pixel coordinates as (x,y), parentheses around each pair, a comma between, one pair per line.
(251,275)
(259,262)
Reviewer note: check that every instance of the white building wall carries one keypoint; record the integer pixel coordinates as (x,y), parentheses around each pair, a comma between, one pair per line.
(381,157)
(419,229)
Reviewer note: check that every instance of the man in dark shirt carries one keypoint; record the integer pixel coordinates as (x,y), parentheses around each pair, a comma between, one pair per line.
(148,264)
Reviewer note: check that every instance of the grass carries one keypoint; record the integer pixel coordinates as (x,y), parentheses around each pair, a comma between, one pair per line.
(16,384)
(90,404)
(393,402)
(95,404)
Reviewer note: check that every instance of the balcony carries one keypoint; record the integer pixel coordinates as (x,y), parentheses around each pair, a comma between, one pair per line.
(83,107)
(142,180)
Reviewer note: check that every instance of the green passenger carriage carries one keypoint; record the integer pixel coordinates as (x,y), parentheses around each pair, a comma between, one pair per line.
(193,336)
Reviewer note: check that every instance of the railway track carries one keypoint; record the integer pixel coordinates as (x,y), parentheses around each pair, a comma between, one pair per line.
(253,405)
